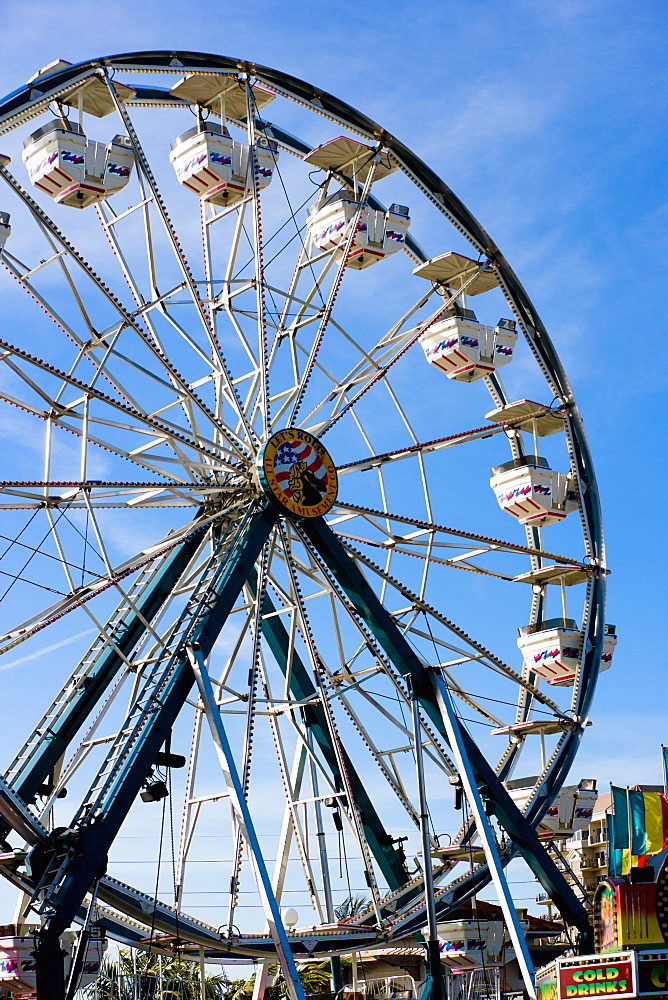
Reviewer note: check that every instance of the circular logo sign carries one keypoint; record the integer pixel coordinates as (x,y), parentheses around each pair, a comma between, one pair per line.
(295,469)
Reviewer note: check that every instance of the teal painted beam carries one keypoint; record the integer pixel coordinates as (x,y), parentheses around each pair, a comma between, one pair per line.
(55,739)
(404,657)
(85,848)
(302,687)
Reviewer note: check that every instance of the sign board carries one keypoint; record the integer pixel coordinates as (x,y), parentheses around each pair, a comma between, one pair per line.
(625,916)
(653,973)
(546,982)
(589,976)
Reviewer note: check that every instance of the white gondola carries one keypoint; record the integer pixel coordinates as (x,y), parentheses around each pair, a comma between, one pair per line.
(532,492)
(469,944)
(74,170)
(552,649)
(215,167)
(465,349)
(5,229)
(571,810)
(377,233)
(17,959)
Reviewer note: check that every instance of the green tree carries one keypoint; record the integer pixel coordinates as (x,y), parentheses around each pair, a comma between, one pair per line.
(180,979)
(350,906)
(314,977)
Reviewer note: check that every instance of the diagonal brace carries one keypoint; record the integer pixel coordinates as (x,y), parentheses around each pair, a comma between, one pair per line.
(84,851)
(244,819)
(396,646)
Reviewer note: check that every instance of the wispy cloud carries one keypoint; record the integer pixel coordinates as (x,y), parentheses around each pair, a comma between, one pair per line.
(47,649)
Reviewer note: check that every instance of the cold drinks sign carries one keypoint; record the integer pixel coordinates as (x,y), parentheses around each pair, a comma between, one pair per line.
(594,978)
(588,976)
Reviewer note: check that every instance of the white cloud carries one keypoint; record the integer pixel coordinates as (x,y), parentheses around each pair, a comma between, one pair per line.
(47,649)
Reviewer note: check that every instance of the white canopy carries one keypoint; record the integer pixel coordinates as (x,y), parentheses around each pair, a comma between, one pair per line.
(453,270)
(524,412)
(349,156)
(206,89)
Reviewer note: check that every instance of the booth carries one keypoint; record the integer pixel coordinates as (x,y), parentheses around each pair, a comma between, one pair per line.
(465,349)
(17,959)
(571,810)
(529,490)
(5,229)
(552,649)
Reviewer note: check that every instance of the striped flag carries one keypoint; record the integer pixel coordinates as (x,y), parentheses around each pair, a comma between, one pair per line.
(619,860)
(649,821)
(645,816)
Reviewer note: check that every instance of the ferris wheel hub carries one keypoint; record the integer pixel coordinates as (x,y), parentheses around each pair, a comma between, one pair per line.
(296,471)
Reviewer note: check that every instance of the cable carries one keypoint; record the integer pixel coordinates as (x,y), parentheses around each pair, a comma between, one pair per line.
(157,877)
(28,561)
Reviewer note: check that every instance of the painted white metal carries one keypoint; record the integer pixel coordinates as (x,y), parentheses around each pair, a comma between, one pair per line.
(180,336)
(5,229)
(485,834)
(243,817)
(376,233)
(553,651)
(467,350)
(571,810)
(532,492)
(217,168)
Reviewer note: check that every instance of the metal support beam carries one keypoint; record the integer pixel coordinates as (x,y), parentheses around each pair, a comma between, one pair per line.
(433,950)
(79,857)
(396,646)
(457,745)
(42,758)
(334,962)
(303,688)
(243,818)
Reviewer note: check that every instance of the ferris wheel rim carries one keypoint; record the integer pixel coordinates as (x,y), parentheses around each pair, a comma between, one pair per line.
(446,202)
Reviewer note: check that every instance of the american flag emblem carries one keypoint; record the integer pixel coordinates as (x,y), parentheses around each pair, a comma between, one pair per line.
(300,472)
(295,471)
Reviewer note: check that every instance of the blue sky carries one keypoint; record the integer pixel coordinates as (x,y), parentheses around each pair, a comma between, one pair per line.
(549,121)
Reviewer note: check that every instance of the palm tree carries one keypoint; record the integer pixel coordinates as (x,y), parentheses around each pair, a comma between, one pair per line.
(350,906)
(314,977)
(139,979)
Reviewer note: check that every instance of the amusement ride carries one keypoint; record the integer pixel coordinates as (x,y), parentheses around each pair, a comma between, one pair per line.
(256,385)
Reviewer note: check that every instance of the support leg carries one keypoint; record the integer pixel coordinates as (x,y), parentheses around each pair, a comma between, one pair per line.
(433,949)
(240,806)
(484,832)
(49,966)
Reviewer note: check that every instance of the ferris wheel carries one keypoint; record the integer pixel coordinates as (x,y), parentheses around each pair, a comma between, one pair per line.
(264,366)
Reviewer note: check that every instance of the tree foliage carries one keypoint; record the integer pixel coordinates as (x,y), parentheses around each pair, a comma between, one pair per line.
(180,979)
(314,977)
